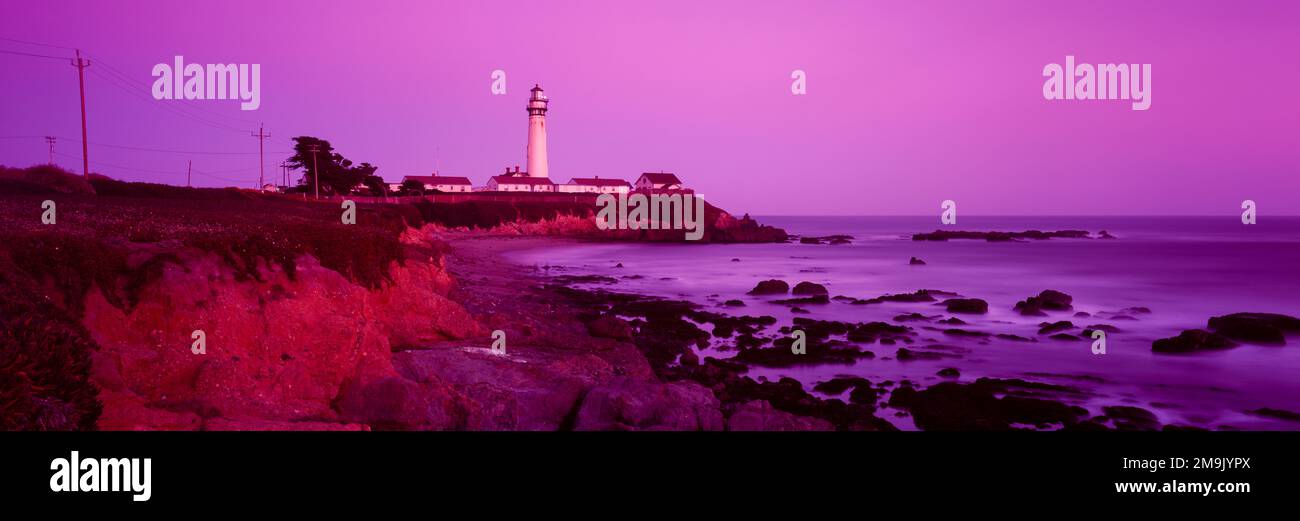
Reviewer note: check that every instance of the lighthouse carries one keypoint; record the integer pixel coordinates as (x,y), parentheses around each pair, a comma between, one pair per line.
(537,133)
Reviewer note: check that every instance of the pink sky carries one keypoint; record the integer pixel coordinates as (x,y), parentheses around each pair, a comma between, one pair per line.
(908,103)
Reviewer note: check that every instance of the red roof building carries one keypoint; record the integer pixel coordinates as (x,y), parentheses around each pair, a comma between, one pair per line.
(595,185)
(652,182)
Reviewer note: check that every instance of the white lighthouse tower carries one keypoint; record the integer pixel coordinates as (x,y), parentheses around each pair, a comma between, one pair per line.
(537,133)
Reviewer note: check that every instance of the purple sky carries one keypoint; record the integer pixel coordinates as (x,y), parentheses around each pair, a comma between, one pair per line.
(908,103)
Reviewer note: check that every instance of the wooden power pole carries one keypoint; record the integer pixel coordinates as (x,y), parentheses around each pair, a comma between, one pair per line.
(81,65)
(261,136)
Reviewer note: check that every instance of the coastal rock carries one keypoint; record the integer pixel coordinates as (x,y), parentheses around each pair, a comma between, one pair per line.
(829,239)
(610,326)
(921,295)
(397,403)
(944,235)
(1280,414)
(966,305)
(840,384)
(626,404)
(240,424)
(770,287)
(1048,300)
(965,333)
(1047,328)
(1256,328)
(1192,340)
(787,394)
(951,406)
(1127,418)
(906,355)
(915,262)
(865,395)
(1100,327)
(529,388)
(809,288)
(759,415)
(780,354)
(815,299)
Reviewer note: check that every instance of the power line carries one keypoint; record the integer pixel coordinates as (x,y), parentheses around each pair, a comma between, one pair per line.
(36,43)
(151,149)
(33,55)
(108,67)
(185,103)
(211,174)
(148,100)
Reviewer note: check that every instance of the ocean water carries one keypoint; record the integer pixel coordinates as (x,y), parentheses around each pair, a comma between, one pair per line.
(1185,269)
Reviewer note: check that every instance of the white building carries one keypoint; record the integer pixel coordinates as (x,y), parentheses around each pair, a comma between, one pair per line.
(595,185)
(650,181)
(446,184)
(513,183)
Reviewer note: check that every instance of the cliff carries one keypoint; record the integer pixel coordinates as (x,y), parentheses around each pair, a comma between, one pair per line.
(307,323)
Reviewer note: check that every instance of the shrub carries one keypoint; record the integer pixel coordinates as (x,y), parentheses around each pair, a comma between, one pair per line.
(45,359)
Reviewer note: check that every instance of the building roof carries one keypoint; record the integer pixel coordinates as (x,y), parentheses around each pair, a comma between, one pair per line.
(596,181)
(438,179)
(512,180)
(662,178)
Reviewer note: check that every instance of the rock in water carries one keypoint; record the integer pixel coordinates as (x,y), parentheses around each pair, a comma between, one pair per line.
(1256,328)
(770,287)
(1050,300)
(1191,341)
(966,305)
(809,288)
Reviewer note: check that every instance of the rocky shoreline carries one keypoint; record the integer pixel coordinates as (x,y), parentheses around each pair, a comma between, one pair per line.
(677,338)
(385,325)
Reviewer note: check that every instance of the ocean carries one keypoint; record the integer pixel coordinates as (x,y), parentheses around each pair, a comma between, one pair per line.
(1184,269)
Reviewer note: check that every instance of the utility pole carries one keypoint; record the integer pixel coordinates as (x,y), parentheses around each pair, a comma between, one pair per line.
(261,160)
(284,173)
(315,166)
(50,140)
(81,65)
(188,170)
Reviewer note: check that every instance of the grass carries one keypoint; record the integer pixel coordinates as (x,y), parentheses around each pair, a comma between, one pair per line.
(90,243)
(44,362)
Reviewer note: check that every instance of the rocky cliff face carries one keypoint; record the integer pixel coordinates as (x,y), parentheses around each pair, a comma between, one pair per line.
(277,349)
